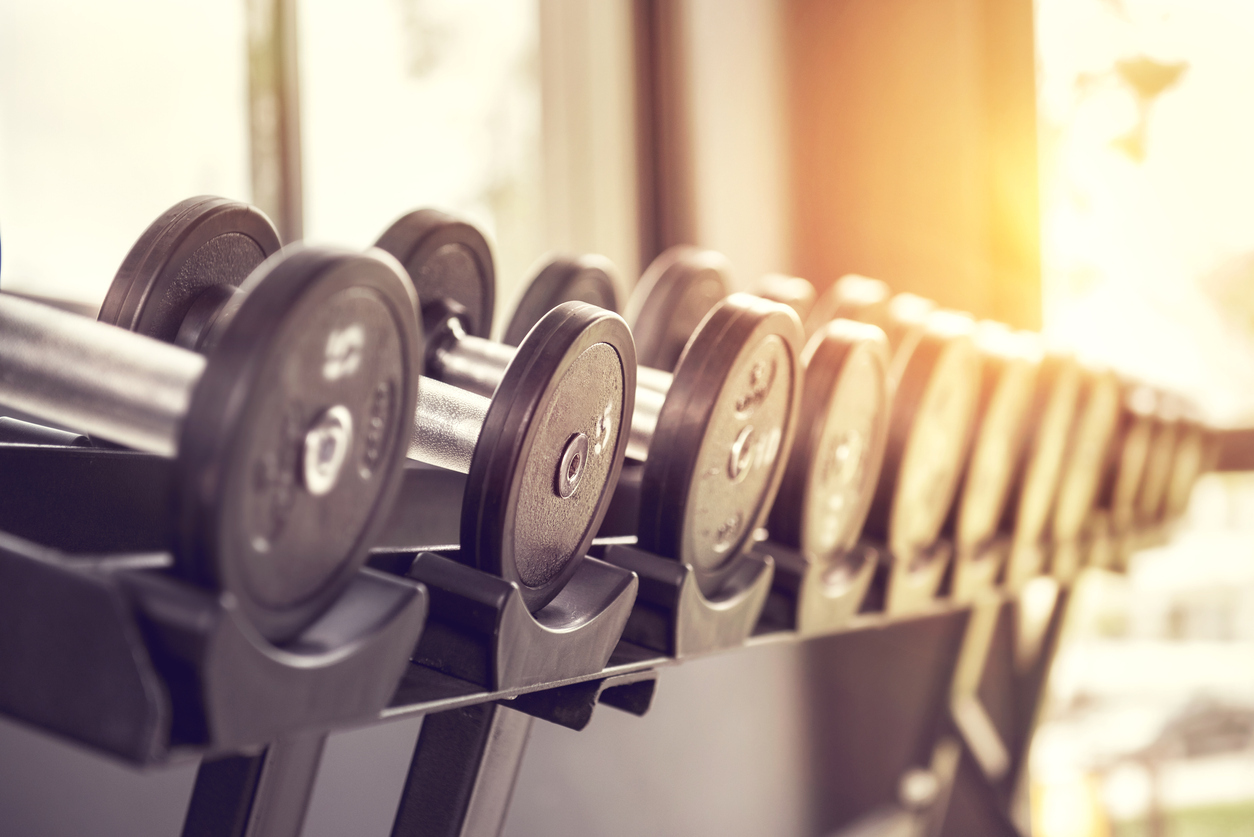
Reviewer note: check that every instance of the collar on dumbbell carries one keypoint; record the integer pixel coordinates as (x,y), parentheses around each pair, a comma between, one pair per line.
(444,324)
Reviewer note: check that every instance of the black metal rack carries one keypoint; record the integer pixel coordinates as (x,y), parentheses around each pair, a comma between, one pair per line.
(201,686)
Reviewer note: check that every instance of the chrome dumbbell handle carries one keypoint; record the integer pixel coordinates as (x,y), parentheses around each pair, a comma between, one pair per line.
(98,379)
(477,366)
(447,425)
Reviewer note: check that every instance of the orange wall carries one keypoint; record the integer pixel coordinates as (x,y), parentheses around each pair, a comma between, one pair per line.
(913,139)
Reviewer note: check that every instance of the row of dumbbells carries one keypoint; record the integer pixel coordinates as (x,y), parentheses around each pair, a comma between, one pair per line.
(291,385)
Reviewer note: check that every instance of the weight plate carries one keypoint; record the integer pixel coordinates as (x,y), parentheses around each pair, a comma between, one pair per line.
(929,433)
(1186,467)
(1053,414)
(1002,414)
(1129,454)
(722,437)
(587,279)
(296,433)
(842,427)
(672,298)
(448,261)
(1162,449)
(1096,419)
(793,291)
(574,378)
(852,297)
(197,244)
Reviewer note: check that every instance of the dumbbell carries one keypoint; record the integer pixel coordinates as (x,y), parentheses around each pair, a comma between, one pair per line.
(289,436)
(1097,418)
(936,374)
(836,458)
(852,297)
(793,291)
(562,278)
(1187,466)
(528,458)
(1124,470)
(714,436)
(1011,361)
(835,461)
(947,347)
(1035,484)
(675,293)
(1151,499)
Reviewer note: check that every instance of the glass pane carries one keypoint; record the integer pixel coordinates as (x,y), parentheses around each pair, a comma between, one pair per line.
(423,103)
(109,114)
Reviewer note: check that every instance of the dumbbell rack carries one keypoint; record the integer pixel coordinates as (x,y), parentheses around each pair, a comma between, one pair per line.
(109,504)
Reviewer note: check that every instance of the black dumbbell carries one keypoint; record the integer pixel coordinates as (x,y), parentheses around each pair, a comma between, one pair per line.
(1152,497)
(836,458)
(714,436)
(793,291)
(289,436)
(526,459)
(1187,466)
(852,297)
(1124,469)
(936,375)
(562,278)
(675,293)
(1035,487)
(1010,361)
(1097,417)
(574,396)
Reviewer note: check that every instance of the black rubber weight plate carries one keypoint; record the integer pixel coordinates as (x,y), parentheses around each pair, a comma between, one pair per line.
(722,437)
(574,373)
(928,437)
(836,457)
(587,279)
(319,334)
(1096,420)
(1053,412)
(851,297)
(447,260)
(672,298)
(1003,415)
(196,244)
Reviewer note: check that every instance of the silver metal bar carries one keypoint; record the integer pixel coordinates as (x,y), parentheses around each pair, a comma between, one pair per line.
(644,422)
(654,379)
(96,378)
(446,425)
(472,363)
(478,365)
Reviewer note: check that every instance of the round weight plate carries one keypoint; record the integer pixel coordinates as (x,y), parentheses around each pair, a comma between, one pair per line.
(1008,385)
(1185,468)
(723,437)
(1096,420)
(587,279)
(1162,449)
(1054,414)
(836,457)
(1132,443)
(672,298)
(296,432)
(447,260)
(197,244)
(793,291)
(852,297)
(560,416)
(928,436)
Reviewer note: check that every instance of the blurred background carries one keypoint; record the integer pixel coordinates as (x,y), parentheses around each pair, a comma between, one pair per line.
(1083,167)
